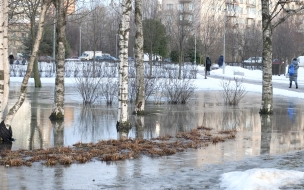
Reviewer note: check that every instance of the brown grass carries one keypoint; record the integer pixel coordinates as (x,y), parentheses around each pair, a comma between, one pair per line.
(113,150)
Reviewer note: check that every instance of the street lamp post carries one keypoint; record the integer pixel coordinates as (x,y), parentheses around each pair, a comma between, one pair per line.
(80,40)
(116,45)
(195,49)
(224,55)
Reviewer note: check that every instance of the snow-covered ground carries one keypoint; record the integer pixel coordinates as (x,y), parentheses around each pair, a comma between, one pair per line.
(214,83)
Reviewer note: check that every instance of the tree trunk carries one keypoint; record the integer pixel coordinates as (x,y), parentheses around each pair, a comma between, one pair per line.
(150,63)
(139,43)
(37,79)
(267,91)
(36,74)
(5,126)
(180,64)
(6,66)
(124,29)
(2,60)
(58,111)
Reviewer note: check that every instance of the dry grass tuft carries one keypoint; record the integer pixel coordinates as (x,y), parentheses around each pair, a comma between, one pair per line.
(65,160)
(113,150)
(217,139)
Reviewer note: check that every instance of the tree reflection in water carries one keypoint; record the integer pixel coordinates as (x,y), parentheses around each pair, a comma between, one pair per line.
(58,129)
(95,119)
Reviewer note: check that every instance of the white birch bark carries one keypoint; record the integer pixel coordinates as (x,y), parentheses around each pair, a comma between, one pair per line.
(58,110)
(267,89)
(124,29)
(139,54)
(2,58)
(5,56)
(18,104)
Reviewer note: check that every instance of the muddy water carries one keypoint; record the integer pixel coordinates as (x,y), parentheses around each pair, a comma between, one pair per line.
(257,136)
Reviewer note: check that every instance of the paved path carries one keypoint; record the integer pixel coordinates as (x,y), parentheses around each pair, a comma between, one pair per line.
(280,85)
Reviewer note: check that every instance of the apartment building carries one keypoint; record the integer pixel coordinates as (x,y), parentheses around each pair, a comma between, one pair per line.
(237,16)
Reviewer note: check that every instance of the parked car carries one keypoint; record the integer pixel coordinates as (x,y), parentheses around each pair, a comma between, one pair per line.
(46,58)
(253,60)
(167,59)
(275,61)
(105,58)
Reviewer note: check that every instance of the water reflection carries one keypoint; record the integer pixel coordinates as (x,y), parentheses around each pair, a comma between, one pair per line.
(58,131)
(257,134)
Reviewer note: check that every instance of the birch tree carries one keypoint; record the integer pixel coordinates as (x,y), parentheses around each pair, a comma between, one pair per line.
(58,110)
(2,60)
(139,55)
(271,18)
(5,125)
(124,29)
(5,60)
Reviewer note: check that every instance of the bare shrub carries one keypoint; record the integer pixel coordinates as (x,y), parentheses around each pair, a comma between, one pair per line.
(151,86)
(109,90)
(88,87)
(158,92)
(179,91)
(234,90)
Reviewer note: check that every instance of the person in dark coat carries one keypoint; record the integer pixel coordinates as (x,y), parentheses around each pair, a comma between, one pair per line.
(11,58)
(294,76)
(220,61)
(208,65)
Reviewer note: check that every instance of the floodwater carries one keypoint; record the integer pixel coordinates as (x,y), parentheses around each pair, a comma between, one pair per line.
(260,142)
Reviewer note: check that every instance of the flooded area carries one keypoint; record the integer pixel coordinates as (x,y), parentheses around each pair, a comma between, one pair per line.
(261,141)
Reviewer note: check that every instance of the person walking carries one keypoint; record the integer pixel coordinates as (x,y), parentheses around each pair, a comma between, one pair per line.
(11,58)
(220,61)
(293,72)
(208,65)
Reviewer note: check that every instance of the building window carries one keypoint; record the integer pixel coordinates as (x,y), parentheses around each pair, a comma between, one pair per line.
(180,7)
(191,18)
(180,17)
(191,6)
(169,6)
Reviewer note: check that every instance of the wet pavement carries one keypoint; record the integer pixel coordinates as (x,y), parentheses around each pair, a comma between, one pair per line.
(271,141)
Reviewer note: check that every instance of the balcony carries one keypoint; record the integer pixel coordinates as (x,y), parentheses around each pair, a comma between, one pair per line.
(184,1)
(231,14)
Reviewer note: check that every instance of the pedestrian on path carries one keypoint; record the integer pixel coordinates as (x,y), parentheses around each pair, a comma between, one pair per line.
(208,65)
(11,58)
(220,61)
(293,72)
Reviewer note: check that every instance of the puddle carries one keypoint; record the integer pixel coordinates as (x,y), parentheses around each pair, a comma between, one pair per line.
(257,137)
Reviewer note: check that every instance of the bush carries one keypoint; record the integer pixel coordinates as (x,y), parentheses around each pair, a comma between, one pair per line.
(179,91)
(234,91)
(88,87)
